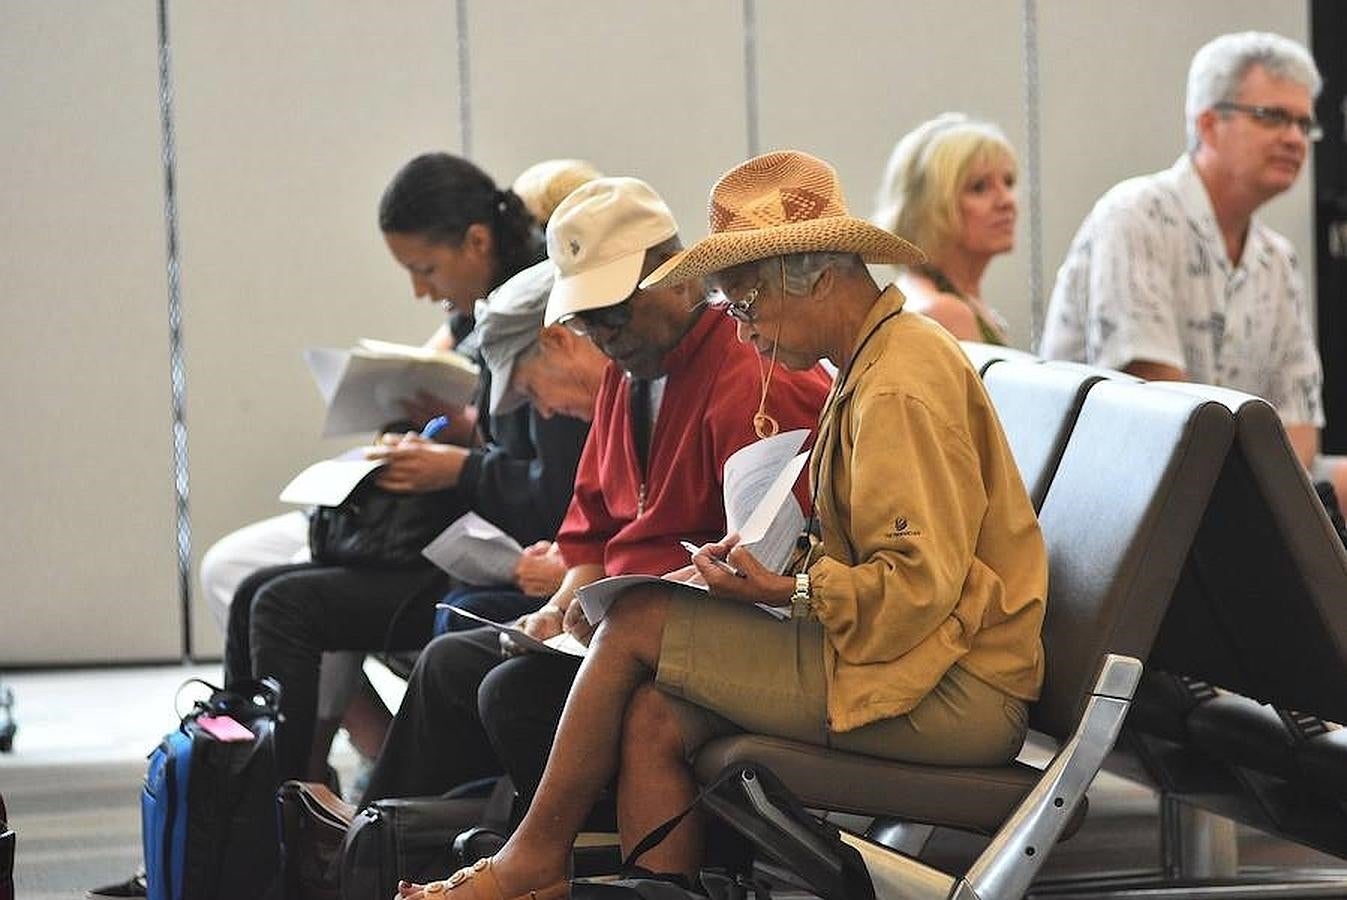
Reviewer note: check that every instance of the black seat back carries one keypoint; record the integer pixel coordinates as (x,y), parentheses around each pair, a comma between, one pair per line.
(1118,519)
(1262,605)
(1038,406)
(983,355)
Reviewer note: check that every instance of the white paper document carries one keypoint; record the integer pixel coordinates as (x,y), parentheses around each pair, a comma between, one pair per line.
(562,644)
(364,387)
(597,596)
(331,481)
(760,506)
(474,551)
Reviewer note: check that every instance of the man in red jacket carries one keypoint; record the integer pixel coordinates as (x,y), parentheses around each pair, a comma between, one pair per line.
(680,396)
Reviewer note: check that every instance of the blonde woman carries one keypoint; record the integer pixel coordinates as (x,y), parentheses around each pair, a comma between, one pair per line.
(545,184)
(950,188)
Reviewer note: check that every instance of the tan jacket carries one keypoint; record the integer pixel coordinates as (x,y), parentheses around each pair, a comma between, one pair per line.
(931,551)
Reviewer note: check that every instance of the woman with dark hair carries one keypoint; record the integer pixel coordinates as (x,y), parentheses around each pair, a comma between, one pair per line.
(462,239)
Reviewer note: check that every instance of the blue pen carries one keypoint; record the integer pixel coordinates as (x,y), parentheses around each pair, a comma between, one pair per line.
(434,427)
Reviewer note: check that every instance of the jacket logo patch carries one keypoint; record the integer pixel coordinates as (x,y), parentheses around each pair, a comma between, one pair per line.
(901,528)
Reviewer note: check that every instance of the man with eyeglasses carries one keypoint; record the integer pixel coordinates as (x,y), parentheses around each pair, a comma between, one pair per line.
(679,396)
(1172,278)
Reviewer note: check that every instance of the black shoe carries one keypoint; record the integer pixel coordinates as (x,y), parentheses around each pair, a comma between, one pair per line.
(132,887)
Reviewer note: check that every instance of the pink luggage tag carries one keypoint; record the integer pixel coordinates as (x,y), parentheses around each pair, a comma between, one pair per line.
(224,728)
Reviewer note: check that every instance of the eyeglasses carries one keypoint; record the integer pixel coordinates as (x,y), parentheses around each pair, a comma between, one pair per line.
(1275,118)
(739,310)
(610,318)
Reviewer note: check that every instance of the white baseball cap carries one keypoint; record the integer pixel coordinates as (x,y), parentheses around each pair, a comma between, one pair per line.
(597,238)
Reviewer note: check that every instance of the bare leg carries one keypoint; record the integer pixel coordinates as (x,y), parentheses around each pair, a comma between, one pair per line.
(366,721)
(622,656)
(656,783)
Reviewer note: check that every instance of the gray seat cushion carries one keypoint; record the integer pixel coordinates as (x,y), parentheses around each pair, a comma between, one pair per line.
(967,798)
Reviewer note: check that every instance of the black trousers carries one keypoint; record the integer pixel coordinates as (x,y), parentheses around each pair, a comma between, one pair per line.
(469,713)
(284,618)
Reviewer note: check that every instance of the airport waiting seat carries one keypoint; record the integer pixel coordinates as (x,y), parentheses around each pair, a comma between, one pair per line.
(1117,527)
(983,355)
(1254,645)
(1087,369)
(1038,406)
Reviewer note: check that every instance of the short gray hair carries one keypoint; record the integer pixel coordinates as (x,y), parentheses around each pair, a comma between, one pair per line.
(1221,64)
(801,271)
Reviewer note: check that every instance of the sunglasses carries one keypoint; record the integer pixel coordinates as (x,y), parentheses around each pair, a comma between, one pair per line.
(609,318)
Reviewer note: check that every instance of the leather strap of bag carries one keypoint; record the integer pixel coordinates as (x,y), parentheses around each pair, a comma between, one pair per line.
(657,836)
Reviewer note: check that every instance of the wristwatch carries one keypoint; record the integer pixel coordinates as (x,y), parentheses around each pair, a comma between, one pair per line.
(802,600)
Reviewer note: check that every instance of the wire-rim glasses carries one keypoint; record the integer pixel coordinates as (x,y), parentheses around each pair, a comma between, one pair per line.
(740,310)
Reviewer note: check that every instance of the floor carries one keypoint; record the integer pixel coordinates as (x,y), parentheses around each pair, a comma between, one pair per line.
(72,782)
(73,779)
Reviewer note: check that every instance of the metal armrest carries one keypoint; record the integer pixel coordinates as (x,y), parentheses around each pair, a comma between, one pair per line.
(1007,867)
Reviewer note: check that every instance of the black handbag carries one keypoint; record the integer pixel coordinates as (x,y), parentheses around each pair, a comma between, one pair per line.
(381,529)
(786,833)
(412,838)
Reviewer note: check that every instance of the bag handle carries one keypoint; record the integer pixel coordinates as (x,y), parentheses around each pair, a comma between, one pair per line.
(267,690)
(662,831)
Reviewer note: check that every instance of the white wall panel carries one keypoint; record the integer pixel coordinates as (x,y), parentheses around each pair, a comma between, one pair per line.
(846,85)
(292,117)
(87,567)
(1114,76)
(650,90)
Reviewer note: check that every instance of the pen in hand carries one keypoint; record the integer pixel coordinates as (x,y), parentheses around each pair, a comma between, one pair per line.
(434,427)
(693,548)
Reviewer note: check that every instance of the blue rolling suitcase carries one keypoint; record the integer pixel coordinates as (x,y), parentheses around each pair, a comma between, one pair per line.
(208,808)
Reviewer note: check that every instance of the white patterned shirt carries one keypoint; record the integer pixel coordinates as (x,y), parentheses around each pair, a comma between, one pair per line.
(1148,278)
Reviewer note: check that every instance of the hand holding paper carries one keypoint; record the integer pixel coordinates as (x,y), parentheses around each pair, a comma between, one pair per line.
(474,551)
(760,507)
(755,583)
(416,465)
(559,643)
(368,385)
(540,568)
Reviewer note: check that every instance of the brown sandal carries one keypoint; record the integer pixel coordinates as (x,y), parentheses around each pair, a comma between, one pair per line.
(478,882)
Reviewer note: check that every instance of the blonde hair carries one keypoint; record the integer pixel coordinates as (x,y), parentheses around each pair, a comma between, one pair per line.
(918,198)
(542,186)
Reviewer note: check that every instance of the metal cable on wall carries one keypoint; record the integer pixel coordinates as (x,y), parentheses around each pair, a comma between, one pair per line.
(177,378)
(1031,159)
(751,75)
(464,84)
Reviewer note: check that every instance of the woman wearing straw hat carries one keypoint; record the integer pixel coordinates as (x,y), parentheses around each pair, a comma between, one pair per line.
(916,612)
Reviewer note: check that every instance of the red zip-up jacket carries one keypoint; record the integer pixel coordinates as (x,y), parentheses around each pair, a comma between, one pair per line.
(706,414)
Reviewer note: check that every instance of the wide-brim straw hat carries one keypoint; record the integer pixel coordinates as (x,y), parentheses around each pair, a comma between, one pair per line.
(776,204)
